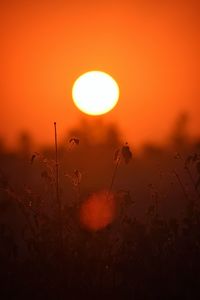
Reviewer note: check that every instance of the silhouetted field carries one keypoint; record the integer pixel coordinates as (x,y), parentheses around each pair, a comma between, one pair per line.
(146,247)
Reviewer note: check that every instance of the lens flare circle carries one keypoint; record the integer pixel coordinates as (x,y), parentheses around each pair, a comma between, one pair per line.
(98,211)
(95,93)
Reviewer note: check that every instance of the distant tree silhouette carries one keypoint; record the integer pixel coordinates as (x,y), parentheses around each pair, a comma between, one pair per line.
(25,143)
(179,136)
(2,145)
(96,132)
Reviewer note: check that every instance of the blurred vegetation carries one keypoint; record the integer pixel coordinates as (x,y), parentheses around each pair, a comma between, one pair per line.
(151,250)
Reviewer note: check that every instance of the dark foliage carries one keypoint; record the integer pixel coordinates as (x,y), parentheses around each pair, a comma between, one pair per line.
(148,255)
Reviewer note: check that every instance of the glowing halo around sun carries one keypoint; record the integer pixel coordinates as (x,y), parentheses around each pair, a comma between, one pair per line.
(95,93)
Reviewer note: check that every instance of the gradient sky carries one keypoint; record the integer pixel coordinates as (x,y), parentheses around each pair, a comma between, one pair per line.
(149,47)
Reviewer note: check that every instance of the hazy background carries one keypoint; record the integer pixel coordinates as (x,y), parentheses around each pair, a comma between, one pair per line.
(150,243)
(149,47)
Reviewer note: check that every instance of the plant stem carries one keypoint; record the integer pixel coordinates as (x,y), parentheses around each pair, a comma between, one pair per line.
(181,184)
(57,190)
(114,176)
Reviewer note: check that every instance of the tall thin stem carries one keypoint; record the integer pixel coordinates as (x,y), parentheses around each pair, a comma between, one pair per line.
(114,176)
(57,189)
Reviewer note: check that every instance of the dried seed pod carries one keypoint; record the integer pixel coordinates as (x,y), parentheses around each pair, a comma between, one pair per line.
(126,153)
(74,141)
(77,177)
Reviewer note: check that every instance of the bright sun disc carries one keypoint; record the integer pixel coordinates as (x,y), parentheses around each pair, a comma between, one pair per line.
(95,93)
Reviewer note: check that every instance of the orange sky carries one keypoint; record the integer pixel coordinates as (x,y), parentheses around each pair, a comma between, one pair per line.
(149,47)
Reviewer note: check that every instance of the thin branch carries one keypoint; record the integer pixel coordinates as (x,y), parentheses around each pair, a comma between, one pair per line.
(114,175)
(57,190)
(181,184)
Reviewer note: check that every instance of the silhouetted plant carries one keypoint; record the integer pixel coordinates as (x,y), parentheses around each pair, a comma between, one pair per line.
(128,258)
(123,153)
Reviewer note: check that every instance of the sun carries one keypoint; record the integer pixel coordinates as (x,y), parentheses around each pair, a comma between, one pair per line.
(95,93)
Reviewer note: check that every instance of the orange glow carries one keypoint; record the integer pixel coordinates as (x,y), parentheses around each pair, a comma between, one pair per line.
(98,211)
(149,47)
